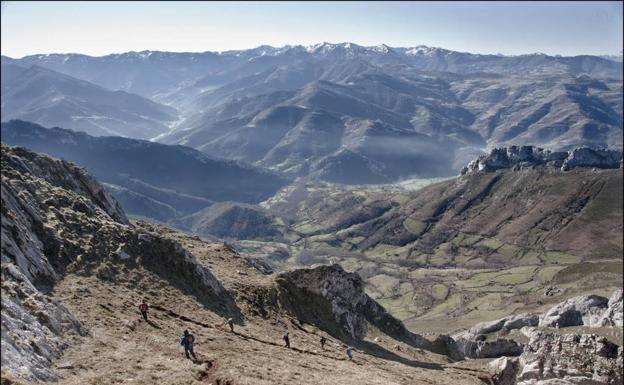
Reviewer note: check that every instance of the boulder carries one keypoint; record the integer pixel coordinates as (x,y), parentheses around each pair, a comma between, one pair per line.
(504,370)
(613,315)
(552,358)
(582,310)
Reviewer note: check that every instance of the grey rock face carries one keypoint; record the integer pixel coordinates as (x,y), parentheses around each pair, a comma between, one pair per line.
(570,359)
(516,158)
(344,292)
(582,310)
(56,219)
(586,157)
(505,370)
(613,315)
(471,344)
(34,325)
(329,296)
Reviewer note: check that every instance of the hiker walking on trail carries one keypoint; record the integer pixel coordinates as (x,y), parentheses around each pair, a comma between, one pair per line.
(143,308)
(230,322)
(188,340)
(350,352)
(323,342)
(286,340)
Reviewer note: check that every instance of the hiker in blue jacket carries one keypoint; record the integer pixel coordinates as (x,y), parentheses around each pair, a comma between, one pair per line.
(188,340)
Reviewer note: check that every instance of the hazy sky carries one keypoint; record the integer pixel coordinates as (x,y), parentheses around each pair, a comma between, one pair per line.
(99,28)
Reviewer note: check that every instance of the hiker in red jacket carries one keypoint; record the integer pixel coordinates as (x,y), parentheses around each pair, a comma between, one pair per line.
(143,308)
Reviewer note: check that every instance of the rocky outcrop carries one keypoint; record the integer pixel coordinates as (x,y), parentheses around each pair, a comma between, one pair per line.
(561,359)
(613,315)
(333,299)
(505,370)
(35,189)
(473,342)
(585,310)
(520,157)
(468,346)
(553,358)
(57,219)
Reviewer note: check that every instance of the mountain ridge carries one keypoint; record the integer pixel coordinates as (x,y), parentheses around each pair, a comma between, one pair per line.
(147,169)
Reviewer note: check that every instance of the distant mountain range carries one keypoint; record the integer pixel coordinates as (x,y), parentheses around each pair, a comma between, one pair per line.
(149,179)
(48,97)
(352,114)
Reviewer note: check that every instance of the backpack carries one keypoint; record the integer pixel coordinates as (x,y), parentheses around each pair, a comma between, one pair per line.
(143,307)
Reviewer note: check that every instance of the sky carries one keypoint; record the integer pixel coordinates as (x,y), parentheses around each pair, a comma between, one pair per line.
(509,28)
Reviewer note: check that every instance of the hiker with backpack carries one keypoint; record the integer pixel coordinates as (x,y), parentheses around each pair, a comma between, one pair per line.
(350,352)
(143,309)
(230,322)
(188,340)
(323,342)
(286,340)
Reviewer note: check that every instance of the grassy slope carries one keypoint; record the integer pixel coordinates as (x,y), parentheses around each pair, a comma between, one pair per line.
(121,348)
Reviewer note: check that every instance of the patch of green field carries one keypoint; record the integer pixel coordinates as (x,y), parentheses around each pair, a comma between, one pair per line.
(414,226)
(451,274)
(439,291)
(400,199)
(490,243)
(292,237)
(385,284)
(308,228)
(381,249)
(471,283)
(318,245)
(530,258)
(579,270)
(401,307)
(531,285)
(556,257)
(514,279)
(451,303)
(351,264)
(355,240)
(458,239)
(508,251)
(439,260)
(547,273)
(476,262)
(462,259)
(469,240)
(349,229)
(322,238)
(419,258)
(405,288)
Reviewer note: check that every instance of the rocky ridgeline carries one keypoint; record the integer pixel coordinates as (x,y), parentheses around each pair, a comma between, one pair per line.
(57,219)
(333,299)
(522,157)
(553,359)
(585,310)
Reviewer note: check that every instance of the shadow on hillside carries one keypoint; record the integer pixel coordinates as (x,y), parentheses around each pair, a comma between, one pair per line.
(379,352)
(167,259)
(153,324)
